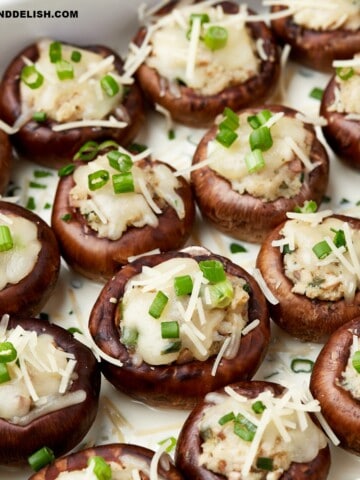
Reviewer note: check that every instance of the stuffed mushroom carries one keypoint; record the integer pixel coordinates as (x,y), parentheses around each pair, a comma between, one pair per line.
(30,260)
(178,325)
(253,430)
(318,32)
(5,160)
(310,263)
(253,166)
(117,206)
(200,58)
(57,96)
(49,387)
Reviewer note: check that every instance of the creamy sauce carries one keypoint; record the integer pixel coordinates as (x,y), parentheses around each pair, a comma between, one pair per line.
(17,263)
(282,173)
(281,433)
(80,98)
(202,332)
(175,55)
(110,214)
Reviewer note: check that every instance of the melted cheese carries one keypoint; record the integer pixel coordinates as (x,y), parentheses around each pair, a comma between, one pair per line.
(283,432)
(119,471)
(347,98)
(175,56)
(281,176)
(111,214)
(17,263)
(350,378)
(201,338)
(80,98)
(332,278)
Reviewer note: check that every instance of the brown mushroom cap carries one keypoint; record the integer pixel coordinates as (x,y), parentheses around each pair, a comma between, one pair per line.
(174,385)
(28,296)
(120,453)
(244,216)
(340,409)
(189,442)
(189,107)
(342,134)
(38,142)
(315,48)
(310,320)
(99,258)
(5,161)
(62,429)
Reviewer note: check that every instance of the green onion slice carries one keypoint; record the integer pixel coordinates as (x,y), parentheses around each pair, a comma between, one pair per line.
(258,406)
(254,161)
(108,144)
(213,270)
(40,458)
(171,441)
(101,468)
(87,152)
(231,119)
(226,136)
(98,179)
(31,77)
(301,365)
(66,217)
(309,206)
(216,37)
(6,240)
(120,161)
(237,248)
(129,336)
(8,352)
(261,139)
(172,347)
(170,329)
(321,249)
(4,373)
(221,293)
(64,70)
(244,428)
(355,360)
(317,93)
(55,53)
(109,85)
(75,56)
(39,117)
(345,73)
(158,304)
(123,182)
(228,417)
(339,238)
(256,121)
(204,18)
(265,463)
(183,285)
(66,170)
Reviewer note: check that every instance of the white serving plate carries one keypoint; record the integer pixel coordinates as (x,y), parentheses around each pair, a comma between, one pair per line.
(113,23)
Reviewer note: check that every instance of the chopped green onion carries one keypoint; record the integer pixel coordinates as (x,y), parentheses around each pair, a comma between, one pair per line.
(254,161)
(355,360)
(64,70)
(101,468)
(31,77)
(171,134)
(55,52)
(158,304)
(120,161)
(40,458)
(228,417)
(30,204)
(75,56)
(316,93)
(226,136)
(231,119)
(108,144)
(221,293)
(322,249)
(339,238)
(265,463)
(137,147)
(244,428)
(204,18)
(213,270)
(33,184)
(123,182)
(73,330)
(261,139)
(42,173)
(8,352)
(66,170)
(4,373)
(98,179)
(87,152)
(109,85)
(345,73)
(216,37)
(66,217)
(301,365)
(129,336)
(310,206)
(6,240)
(237,248)
(172,347)
(256,121)
(170,329)
(183,285)
(47,206)
(171,441)
(258,406)
(39,117)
